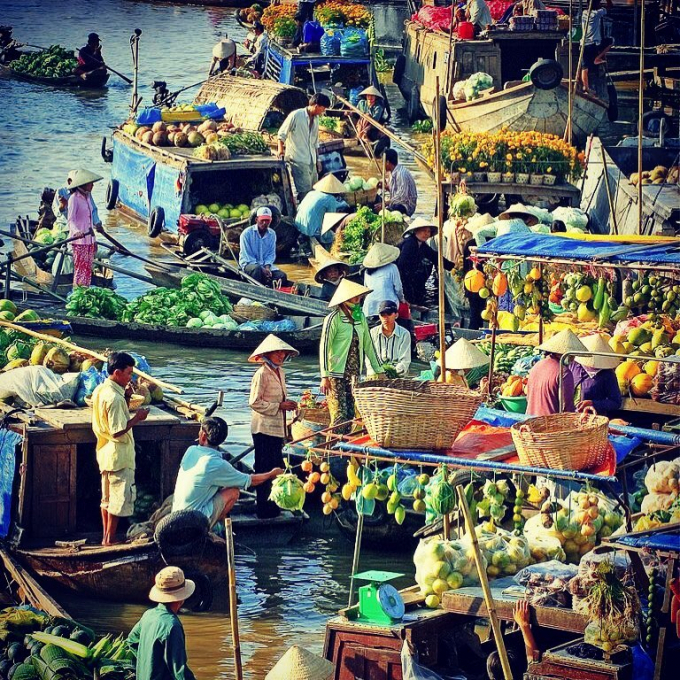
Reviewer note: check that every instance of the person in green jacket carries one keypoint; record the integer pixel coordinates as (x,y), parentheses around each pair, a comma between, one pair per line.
(345,346)
(158,637)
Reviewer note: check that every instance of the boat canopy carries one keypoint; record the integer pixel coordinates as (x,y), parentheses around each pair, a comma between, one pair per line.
(249,102)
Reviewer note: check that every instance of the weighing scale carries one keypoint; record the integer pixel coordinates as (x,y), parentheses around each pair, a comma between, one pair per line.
(380,602)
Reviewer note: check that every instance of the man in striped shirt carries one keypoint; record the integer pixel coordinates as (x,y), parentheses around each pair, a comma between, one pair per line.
(392,342)
(402,186)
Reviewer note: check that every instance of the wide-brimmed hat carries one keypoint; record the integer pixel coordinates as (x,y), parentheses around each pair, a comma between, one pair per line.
(299,664)
(380,254)
(371,90)
(479,221)
(420,223)
(330,184)
(463,355)
(346,291)
(596,343)
(271,344)
(331,220)
(171,586)
(81,177)
(513,225)
(562,342)
(521,211)
(324,262)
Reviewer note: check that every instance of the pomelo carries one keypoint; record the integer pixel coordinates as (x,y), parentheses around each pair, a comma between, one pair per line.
(214,208)
(201,209)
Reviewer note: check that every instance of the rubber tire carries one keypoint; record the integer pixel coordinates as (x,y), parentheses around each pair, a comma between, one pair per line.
(202,599)
(156,222)
(657,114)
(399,68)
(546,74)
(197,240)
(413,107)
(276,216)
(443,113)
(181,533)
(112,190)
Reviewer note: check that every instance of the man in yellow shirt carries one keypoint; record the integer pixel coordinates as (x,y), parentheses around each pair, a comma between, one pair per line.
(112,425)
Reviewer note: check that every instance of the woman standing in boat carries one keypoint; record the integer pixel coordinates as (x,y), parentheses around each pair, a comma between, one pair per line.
(345,346)
(269,403)
(81,225)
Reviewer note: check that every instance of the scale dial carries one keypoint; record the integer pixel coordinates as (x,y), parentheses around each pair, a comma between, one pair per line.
(391,601)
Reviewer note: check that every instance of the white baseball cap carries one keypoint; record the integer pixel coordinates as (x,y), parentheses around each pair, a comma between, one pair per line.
(264,212)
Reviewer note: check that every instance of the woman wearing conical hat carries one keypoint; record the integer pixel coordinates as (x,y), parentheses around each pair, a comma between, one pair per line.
(325,198)
(269,403)
(382,277)
(372,103)
(345,347)
(461,358)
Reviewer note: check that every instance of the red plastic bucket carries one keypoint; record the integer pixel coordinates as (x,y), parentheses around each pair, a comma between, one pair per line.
(466,30)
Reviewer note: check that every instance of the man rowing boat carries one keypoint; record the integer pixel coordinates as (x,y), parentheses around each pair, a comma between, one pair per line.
(90,57)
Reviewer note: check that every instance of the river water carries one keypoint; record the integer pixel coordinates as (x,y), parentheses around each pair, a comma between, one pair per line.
(286,594)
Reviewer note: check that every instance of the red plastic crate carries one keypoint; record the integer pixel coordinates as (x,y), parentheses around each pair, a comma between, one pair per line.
(425,331)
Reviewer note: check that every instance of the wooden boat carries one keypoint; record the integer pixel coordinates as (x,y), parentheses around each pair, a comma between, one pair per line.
(93,80)
(212,3)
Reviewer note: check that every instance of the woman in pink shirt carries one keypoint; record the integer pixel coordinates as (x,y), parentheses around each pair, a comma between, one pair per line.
(81,225)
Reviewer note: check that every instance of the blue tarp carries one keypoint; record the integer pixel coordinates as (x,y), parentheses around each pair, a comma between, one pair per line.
(548,246)
(8,441)
(659,541)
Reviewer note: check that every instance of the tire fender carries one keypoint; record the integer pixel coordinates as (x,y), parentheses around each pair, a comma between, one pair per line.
(112,190)
(546,74)
(181,533)
(399,68)
(156,222)
(202,598)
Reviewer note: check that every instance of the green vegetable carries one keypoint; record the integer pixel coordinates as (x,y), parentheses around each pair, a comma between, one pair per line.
(54,62)
(359,233)
(287,492)
(244,143)
(95,303)
(328,123)
(422,126)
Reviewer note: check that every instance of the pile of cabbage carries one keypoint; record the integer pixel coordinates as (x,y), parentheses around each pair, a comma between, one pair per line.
(354,184)
(471,89)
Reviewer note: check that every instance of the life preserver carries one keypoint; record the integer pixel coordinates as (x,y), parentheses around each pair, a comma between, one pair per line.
(443,112)
(181,533)
(112,190)
(156,222)
(546,74)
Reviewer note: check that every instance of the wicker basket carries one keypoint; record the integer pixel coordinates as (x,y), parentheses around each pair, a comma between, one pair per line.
(361,197)
(407,414)
(244,313)
(562,441)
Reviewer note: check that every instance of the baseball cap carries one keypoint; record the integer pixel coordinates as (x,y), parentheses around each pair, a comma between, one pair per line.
(388,307)
(264,212)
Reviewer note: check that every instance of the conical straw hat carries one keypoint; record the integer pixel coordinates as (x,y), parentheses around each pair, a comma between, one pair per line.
(562,342)
(419,223)
(479,221)
(346,291)
(82,177)
(463,355)
(324,262)
(299,664)
(521,211)
(330,184)
(271,344)
(371,90)
(331,220)
(596,343)
(380,254)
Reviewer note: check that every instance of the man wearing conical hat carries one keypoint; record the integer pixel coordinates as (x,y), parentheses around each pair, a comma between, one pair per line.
(324,199)
(372,103)
(543,396)
(299,664)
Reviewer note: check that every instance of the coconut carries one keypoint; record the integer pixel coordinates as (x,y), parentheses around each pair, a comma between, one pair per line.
(75,362)
(223,153)
(57,360)
(160,139)
(147,137)
(211,137)
(38,354)
(157,395)
(206,153)
(143,391)
(207,126)
(181,139)
(92,363)
(159,126)
(186,129)
(141,131)
(171,138)
(195,139)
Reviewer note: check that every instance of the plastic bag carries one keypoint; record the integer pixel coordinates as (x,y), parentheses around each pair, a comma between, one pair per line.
(459,90)
(353,43)
(572,217)
(657,501)
(330,43)
(504,552)
(312,32)
(608,633)
(38,385)
(412,670)
(662,477)
(522,366)
(546,574)
(88,381)
(547,548)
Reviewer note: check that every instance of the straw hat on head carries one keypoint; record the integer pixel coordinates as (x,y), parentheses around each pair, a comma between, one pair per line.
(346,291)
(331,220)
(479,221)
(371,91)
(596,343)
(463,355)
(271,344)
(330,184)
(379,255)
(521,211)
(82,177)
(420,223)
(562,342)
(324,262)
(299,664)
(171,586)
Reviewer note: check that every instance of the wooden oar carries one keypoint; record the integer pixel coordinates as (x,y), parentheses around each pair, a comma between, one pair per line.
(233,599)
(100,357)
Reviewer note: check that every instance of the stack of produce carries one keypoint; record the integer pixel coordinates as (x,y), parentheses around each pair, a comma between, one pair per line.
(514,386)
(505,552)
(547,584)
(226,211)
(251,14)
(666,387)
(472,88)
(359,185)
(54,62)
(505,356)
(208,319)
(359,233)
(658,175)
(96,303)
(662,482)
(288,492)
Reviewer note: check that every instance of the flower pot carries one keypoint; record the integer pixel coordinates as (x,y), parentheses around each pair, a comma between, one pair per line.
(479,177)
(549,179)
(493,177)
(522,178)
(536,179)
(467,176)
(508,177)
(454,177)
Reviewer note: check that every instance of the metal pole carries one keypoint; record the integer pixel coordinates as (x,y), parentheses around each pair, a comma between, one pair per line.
(441,272)
(134,42)
(641,100)
(233,599)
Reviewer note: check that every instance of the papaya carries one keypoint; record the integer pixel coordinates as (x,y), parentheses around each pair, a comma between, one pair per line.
(641,384)
(500,284)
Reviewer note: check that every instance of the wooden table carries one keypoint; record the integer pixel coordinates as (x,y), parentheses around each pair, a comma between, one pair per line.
(644,405)
(77,418)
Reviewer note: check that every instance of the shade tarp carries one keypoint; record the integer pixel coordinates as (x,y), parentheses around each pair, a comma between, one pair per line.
(659,541)
(556,247)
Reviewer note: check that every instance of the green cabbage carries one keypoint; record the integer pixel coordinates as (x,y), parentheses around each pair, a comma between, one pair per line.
(287,492)
(463,205)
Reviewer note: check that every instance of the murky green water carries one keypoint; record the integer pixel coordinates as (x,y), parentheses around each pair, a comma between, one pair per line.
(286,594)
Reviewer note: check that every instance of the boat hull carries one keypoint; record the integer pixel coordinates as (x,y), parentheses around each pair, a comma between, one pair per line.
(93,80)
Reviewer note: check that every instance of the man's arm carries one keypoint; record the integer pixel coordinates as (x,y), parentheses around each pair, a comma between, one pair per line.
(139,416)
(283,133)
(262,477)
(269,255)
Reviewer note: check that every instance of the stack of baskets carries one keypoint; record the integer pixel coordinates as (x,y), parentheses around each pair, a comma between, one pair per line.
(407,414)
(243,313)
(521,24)
(562,441)
(306,424)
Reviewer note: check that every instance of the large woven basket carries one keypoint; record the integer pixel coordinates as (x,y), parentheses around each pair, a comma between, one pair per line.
(361,197)
(562,441)
(243,313)
(408,414)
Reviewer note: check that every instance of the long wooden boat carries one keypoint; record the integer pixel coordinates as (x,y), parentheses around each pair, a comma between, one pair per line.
(212,3)
(93,80)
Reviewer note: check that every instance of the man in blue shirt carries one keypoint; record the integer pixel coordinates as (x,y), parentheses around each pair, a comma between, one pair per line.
(258,250)
(208,483)
(323,199)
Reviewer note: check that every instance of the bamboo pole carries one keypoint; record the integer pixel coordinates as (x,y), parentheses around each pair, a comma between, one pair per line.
(641,100)
(96,355)
(606,186)
(233,599)
(572,86)
(571,71)
(440,231)
(382,212)
(484,582)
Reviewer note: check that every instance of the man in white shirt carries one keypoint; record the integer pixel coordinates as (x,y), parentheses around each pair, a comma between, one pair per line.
(596,45)
(224,56)
(392,342)
(259,48)
(478,13)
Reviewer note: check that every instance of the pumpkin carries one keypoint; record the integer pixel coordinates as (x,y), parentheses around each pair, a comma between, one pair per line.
(641,384)
(626,371)
(500,284)
(474,281)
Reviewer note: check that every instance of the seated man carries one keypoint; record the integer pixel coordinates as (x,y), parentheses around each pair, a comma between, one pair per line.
(208,483)
(325,198)
(258,250)
(401,185)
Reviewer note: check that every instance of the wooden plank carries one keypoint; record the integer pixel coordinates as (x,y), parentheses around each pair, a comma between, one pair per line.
(563,190)
(77,418)
(650,406)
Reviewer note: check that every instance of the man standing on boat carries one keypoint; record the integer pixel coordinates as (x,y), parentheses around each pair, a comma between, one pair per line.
(596,45)
(479,15)
(158,637)
(224,56)
(402,186)
(259,48)
(112,425)
(299,142)
(90,56)
(258,250)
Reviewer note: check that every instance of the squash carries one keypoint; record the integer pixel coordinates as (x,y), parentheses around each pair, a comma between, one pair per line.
(651,367)
(641,384)
(474,281)
(626,371)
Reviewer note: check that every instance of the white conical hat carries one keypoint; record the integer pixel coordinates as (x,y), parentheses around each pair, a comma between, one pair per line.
(371,90)
(380,254)
(331,220)
(346,291)
(596,343)
(323,261)
(82,177)
(419,223)
(479,221)
(562,342)
(271,344)
(330,184)
(299,664)
(522,211)
(463,355)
